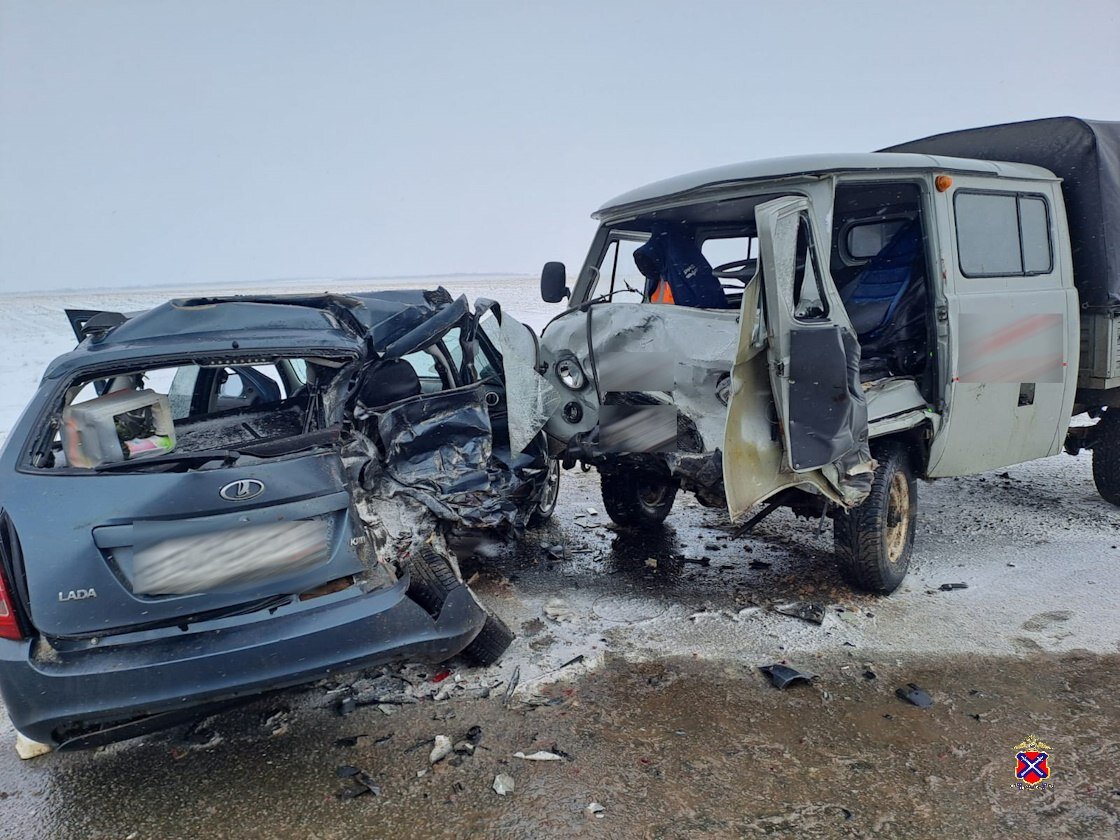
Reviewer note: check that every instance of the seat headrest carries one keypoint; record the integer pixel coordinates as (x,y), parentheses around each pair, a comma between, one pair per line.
(388,382)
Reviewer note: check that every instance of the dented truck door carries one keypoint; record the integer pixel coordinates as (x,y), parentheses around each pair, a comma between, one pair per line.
(797,414)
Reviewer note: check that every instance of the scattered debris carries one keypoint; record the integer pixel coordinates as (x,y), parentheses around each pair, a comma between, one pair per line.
(557,609)
(503,784)
(804,610)
(782,675)
(441,750)
(949,587)
(278,723)
(513,681)
(595,810)
(464,748)
(539,755)
(868,674)
(759,564)
(26,748)
(346,706)
(651,562)
(361,782)
(915,695)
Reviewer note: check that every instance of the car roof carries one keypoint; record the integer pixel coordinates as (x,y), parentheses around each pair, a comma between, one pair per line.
(736,174)
(241,324)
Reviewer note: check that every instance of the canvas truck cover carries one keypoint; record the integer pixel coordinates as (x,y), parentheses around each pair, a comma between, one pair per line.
(1085,154)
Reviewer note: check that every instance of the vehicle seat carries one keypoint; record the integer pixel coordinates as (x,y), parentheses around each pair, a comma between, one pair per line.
(874,294)
(672,255)
(388,382)
(886,304)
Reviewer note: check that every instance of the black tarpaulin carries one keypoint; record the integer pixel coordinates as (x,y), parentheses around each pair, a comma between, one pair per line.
(1085,154)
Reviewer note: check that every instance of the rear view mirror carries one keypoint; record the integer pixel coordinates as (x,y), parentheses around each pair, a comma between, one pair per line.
(554,282)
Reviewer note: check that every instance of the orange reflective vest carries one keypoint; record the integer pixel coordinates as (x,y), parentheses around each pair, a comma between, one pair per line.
(662,294)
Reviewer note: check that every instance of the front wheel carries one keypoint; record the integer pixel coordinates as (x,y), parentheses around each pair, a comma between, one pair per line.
(637,498)
(545,504)
(1106,456)
(875,540)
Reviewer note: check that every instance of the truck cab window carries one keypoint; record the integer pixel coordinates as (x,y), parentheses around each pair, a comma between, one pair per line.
(1002,234)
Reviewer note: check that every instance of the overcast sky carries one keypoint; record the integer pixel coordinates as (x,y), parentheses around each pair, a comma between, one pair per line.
(167,142)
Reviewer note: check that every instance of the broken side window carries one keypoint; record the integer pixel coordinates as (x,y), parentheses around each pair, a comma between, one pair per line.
(141,415)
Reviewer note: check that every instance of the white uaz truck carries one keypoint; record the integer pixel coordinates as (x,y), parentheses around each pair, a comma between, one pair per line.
(817,332)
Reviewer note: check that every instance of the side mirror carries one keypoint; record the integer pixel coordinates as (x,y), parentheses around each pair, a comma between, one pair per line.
(554,282)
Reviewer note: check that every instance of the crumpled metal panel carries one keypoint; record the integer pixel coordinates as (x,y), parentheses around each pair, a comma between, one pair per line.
(530,399)
(438,450)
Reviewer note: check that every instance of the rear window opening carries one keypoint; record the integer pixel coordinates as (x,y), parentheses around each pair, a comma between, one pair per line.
(167,414)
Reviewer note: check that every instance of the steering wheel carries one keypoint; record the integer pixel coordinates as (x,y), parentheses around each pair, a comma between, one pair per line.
(736,269)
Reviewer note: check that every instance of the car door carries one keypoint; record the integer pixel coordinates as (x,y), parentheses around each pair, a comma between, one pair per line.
(1011,319)
(797,416)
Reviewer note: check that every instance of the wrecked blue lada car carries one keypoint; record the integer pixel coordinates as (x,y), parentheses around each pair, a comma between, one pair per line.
(222,496)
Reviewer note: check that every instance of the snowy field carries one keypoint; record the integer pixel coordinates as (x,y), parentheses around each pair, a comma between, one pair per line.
(34,329)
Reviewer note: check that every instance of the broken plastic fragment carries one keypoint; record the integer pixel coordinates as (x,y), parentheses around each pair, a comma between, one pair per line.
(539,755)
(782,675)
(503,784)
(363,782)
(596,810)
(915,695)
(804,610)
(26,748)
(949,587)
(441,750)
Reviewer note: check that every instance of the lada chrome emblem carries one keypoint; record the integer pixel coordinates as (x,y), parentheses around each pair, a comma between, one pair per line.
(242,490)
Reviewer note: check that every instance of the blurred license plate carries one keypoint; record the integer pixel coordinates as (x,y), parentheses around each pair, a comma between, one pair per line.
(201,563)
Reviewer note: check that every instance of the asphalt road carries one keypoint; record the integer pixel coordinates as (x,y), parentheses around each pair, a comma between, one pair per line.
(663,718)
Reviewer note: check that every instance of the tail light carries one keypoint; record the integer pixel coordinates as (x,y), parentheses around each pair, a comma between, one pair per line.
(9,626)
(9,621)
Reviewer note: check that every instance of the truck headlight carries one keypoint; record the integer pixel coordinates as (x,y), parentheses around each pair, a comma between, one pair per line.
(571,374)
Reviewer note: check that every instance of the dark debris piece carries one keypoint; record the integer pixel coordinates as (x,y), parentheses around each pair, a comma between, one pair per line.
(783,675)
(346,706)
(915,695)
(759,564)
(949,587)
(804,610)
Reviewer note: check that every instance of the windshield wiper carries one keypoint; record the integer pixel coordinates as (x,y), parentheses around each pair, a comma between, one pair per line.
(227,456)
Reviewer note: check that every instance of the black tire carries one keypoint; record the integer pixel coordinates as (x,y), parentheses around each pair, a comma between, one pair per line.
(545,504)
(1106,457)
(874,541)
(433,578)
(637,498)
(490,643)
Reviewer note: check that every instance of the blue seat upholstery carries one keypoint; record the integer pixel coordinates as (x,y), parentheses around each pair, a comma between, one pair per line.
(873,297)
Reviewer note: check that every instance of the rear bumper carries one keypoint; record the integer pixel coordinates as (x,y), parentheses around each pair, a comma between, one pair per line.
(98,695)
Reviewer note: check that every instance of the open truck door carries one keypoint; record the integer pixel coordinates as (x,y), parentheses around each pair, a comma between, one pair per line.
(797,416)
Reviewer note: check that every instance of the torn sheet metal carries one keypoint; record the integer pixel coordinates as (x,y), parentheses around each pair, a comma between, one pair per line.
(697,345)
(438,451)
(530,399)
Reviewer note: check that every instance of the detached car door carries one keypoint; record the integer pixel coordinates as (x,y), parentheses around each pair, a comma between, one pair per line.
(797,415)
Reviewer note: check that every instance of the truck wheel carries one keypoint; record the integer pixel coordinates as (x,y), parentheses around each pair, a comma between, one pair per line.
(1106,457)
(637,498)
(545,504)
(875,540)
(432,580)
